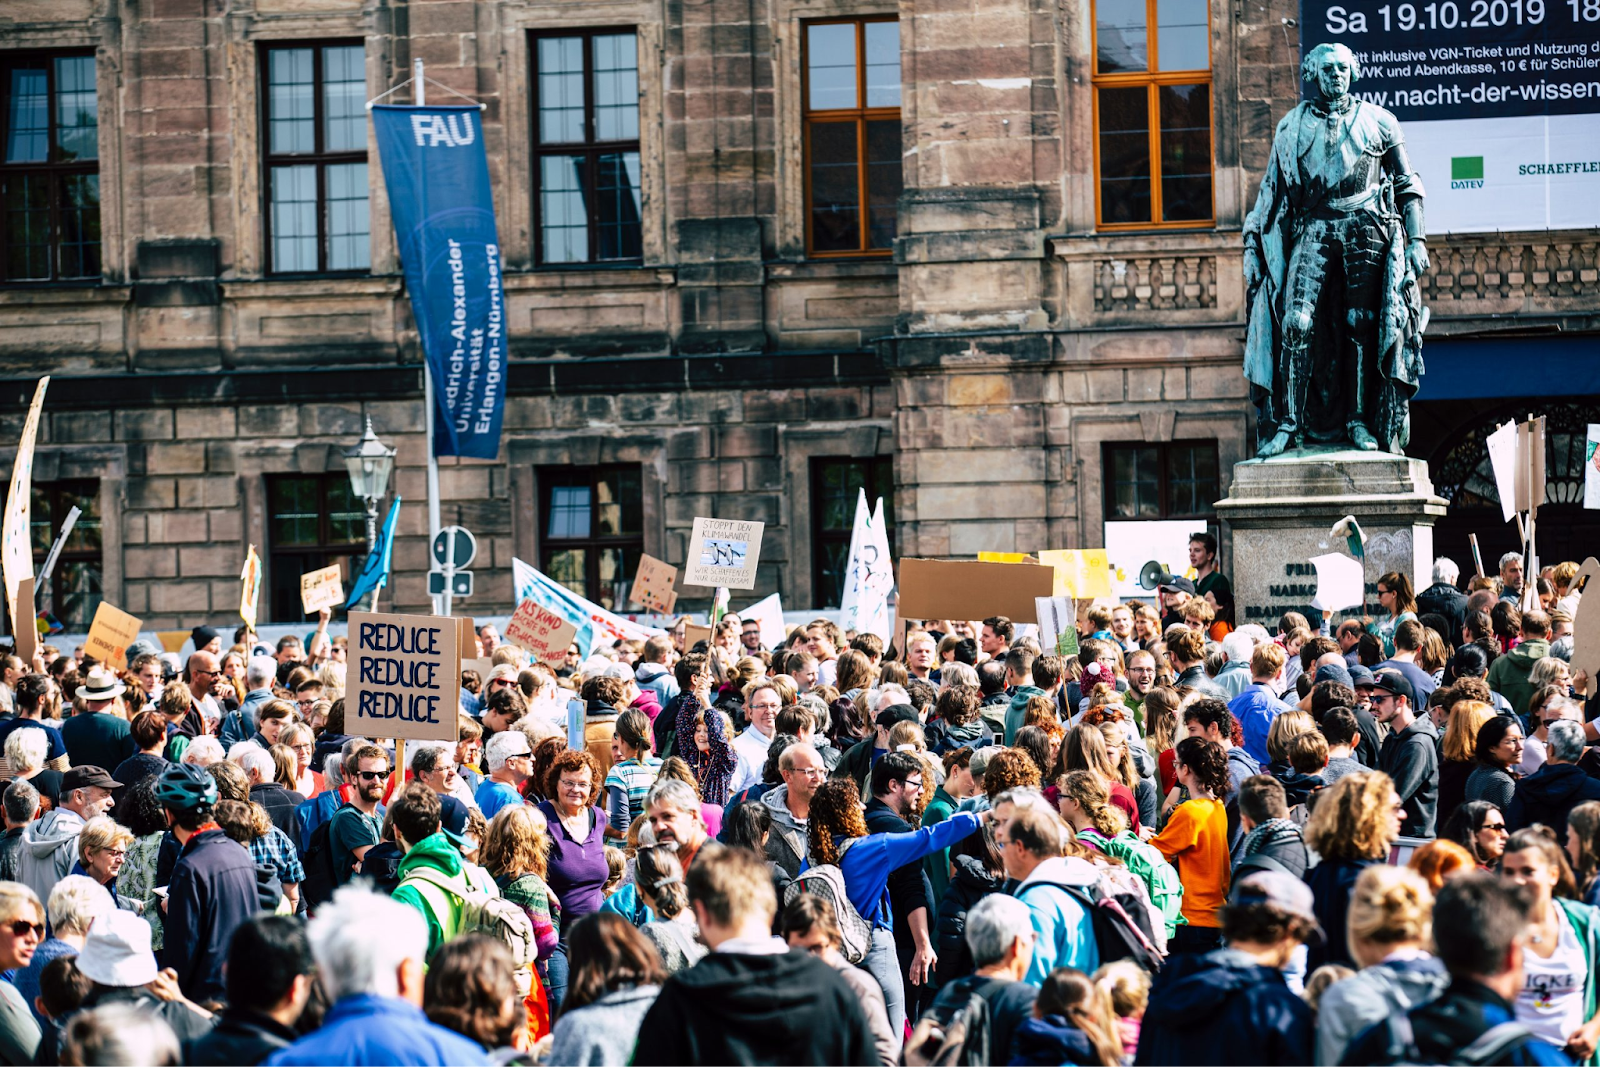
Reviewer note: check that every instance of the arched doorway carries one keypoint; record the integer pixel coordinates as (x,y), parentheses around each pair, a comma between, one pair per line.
(1462,474)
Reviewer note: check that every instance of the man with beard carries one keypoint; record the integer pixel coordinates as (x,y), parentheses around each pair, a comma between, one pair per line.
(357,826)
(674,813)
(790,804)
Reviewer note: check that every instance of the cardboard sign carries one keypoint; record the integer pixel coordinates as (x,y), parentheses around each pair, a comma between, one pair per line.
(1080,572)
(25,633)
(652,584)
(1058,629)
(965,589)
(541,631)
(723,552)
(467,644)
(322,589)
(172,640)
(482,664)
(16,537)
(403,680)
(112,631)
(693,633)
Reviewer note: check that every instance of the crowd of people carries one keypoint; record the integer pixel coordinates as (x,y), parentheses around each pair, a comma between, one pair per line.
(1185,843)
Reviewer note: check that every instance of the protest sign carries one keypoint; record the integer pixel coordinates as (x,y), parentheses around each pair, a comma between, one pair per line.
(546,635)
(723,552)
(1080,572)
(110,634)
(652,584)
(1591,467)
(966,589)
(250,587)
(1339,582)
(594,623)
(1005,557)
(768,614)
(16,534)
(172,640)
(868,573)
(1132,545)
(1057,624)
(466,638)
(26,632)
(321,589)
(693,633)
(1586,628)
(403,681)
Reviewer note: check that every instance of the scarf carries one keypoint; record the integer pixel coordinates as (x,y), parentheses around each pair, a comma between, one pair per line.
(1258,837)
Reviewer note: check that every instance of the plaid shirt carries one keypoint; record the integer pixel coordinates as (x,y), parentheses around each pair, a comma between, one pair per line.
(275,848)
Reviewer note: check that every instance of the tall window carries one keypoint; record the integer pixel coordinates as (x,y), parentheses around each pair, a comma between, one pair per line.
(593,529)
(835,486)
(852,134)
(50,171)
(1177,480)
(1152,106)
(74,590)
(316,158)
(313,521)
(586,147)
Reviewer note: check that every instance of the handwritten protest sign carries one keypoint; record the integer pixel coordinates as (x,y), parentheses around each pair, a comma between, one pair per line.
(16,545)
(652,584)
(403,681)
(694,633)
(112,631)
(322,589)
(541,631)
(723,552)
(1080,572)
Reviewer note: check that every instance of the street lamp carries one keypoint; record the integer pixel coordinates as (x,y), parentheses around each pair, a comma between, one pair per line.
(370,462)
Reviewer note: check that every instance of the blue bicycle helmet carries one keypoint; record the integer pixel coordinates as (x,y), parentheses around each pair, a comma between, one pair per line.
(184,787)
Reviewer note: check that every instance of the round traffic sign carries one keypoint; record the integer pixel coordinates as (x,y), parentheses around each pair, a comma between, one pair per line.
(454,546)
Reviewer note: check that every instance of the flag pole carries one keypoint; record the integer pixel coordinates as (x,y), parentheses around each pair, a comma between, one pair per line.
(441,604)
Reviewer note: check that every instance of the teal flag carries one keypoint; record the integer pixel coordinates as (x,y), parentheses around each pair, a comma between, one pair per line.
(375,568)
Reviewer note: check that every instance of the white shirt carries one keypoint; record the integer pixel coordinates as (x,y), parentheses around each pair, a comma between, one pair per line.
(827,671)
(1551,1001)
(1533,756)
(752,746)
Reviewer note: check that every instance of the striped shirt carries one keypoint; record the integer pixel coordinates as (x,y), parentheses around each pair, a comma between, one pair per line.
(626,784)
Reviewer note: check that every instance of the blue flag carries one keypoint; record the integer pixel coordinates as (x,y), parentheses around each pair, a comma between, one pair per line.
(375,568)
(438,180)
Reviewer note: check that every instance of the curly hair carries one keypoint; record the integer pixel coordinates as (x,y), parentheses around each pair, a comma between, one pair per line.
(835,811)
(958,705)
(1207,761)
(1009,769)
(471,989)
(1311,66)
(140,811)
(573,760)
(1351,819)
(544,754)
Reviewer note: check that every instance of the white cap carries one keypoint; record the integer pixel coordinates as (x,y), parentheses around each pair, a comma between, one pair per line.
(117,951)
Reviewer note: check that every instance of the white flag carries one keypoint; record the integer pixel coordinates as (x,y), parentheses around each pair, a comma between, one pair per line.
(869,574)
(1591,468)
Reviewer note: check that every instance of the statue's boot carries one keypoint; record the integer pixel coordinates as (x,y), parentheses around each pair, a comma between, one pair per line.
(1362,438)
(1278,445)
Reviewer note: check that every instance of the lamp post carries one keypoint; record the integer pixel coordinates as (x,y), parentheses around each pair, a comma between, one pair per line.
(370,462)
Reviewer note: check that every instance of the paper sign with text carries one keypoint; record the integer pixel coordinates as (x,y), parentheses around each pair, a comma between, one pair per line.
(723,552)
(112,631)
(652,584)
(1057,624)
(322,589)
(542,632)
(403,680)
(1080,572)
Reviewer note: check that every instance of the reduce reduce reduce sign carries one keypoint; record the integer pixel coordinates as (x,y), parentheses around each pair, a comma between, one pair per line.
(405,676)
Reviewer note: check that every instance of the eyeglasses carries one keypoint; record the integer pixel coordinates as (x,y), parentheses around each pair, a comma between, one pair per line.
(765,707)
(500,681)
(20,928)
(372,776)
(118,852)
(913,783)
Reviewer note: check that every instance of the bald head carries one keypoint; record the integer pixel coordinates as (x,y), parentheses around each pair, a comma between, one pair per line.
(201,663)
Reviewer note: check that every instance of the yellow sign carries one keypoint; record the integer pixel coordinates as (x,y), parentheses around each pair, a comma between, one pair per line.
(1084,573)
(172,640)
(1002,557)
(112,631)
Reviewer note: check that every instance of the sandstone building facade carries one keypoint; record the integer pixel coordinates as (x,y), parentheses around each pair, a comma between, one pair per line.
(981,256)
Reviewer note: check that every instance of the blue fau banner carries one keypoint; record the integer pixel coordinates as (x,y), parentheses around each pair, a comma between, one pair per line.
(438,180)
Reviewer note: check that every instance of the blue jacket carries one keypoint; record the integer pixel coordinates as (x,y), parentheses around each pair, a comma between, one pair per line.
(1063,931)
(369,1029)
(867,863)
(1255,708)
(212,894)
(1223,1007)
(314,812)
(238,725)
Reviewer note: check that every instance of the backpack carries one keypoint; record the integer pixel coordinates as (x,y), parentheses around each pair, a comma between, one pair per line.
(322,874)
(481,912)
(826,880)
(954,1031)
(1118,922)
(1160,877)
(1488,1047)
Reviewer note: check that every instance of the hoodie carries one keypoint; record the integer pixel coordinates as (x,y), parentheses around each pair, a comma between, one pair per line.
(441,907)
(1508,674)
(1297,787)
(1064,934)
(1241,765)
(49,849)
(1411,758)
(1050,1041)
(648,702)
(604,1031)
(745,1008)
(1396,985)
(1223,1007)
(787,844)
(1017,713)
(657,678)
(1548,796)
(969,883)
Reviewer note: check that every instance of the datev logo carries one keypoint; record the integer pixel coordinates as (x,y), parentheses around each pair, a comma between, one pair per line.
(1466,172)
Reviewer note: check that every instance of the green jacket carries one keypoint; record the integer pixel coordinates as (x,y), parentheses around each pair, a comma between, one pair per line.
(1017,713)
(1508,674)
(937,864)
(1586,924)
(440,908)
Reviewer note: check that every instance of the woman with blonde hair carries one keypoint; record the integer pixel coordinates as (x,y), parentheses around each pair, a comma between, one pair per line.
(1458,754)
(1085,750)
(301,742)
(1086,807)
(1391,912)
(1355,822)
(102,848)
(1161,732)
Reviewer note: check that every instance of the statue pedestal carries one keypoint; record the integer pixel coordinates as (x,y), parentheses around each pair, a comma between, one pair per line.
(1282,509)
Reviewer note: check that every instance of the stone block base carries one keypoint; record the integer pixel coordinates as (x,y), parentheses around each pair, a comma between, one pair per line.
(1281,510)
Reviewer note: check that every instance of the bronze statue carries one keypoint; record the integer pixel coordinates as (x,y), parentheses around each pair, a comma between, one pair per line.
(1333,251)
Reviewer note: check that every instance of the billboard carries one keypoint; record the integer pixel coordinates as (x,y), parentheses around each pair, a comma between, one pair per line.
(1499,99)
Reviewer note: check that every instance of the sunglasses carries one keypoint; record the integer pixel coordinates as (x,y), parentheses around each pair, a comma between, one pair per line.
(20,928)
(372,776)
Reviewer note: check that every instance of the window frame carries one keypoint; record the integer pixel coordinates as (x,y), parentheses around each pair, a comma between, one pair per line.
(63,494)
(822,537)
(55,171)
(309,557)
(860,115)
(1163,491)
(1152,79)
(595,543)
(318,159)
(589,148)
